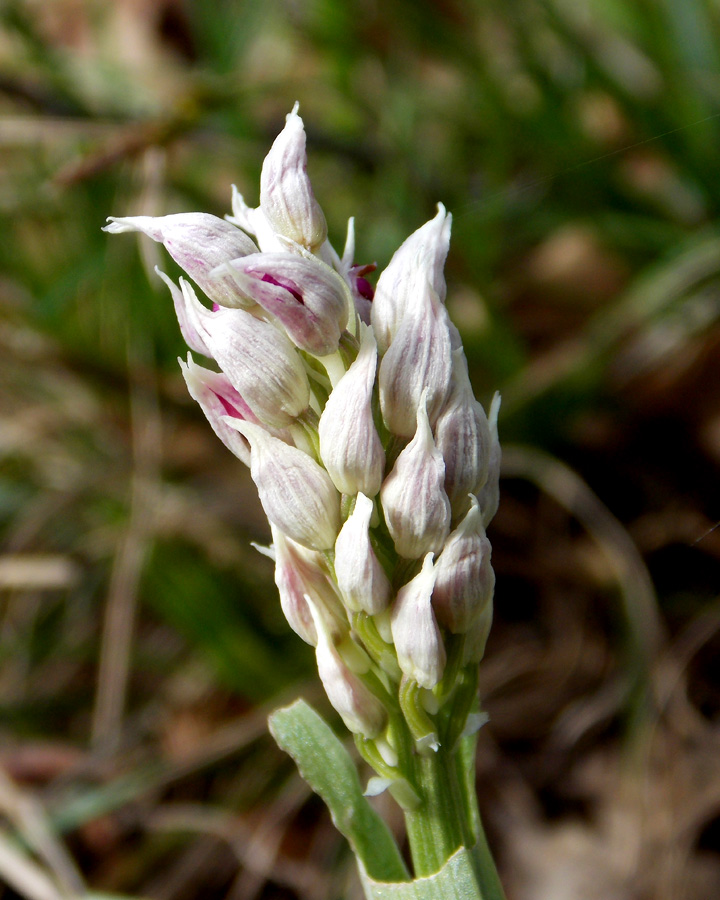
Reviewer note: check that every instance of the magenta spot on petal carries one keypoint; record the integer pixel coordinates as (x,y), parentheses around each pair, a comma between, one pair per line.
(229,408)
(285,285)
(364,288)
(215,306)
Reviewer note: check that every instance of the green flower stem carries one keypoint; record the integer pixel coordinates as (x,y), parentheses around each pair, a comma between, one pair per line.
(447,819)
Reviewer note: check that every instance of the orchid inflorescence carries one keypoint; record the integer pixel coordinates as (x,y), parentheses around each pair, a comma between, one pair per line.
(375,464)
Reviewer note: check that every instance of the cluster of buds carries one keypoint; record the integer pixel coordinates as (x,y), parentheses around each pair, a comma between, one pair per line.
(376,466)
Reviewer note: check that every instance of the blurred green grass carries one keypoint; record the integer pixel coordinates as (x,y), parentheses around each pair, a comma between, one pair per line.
(576,145)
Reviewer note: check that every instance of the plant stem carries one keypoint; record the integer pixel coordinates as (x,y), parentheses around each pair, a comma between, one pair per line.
(445,821)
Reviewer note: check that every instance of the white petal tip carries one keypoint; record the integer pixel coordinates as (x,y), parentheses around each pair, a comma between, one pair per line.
(376,786)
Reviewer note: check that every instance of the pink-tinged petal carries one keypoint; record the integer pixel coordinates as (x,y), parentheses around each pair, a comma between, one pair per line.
(464,577)
(360,710)
(462,435)
(296,493)
(416,507)
(192,336)
(199,243)
(286,195)
(299,574)
(419,358)
(308,298)
(258,360)
(418,261)
(218,399)
(362,581)
(350,446)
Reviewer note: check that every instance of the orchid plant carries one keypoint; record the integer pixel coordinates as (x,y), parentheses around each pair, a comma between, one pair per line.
(378,471)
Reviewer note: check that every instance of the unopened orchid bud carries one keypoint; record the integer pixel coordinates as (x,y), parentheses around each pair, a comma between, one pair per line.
(464,577)
(259,361)
(199,243)
(416,507)
(489,495)
(218,399)
(477,636)
(286,195)
(350,446)
(462,435)
(418,261)
(417,638)
(419,358)
(296,493)
(299,574)
(308,298)
(360,710)
(362,581)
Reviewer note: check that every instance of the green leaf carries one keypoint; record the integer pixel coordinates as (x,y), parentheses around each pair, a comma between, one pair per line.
(455,881)
(327,767)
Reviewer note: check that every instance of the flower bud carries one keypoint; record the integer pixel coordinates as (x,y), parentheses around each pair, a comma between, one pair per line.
(362,581)
(417,638)
(350,446)
(419,260)
(416,507)
(199,243)
(360,710)
(259,361)
(464,577)
(218,399)
(462,435)
(286,195)
(489,495)
(299,575)
(307,297)
(296,493)
(419,358)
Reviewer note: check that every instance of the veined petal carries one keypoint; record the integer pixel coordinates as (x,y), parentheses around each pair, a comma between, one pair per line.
(286,195)
(308,298)
(362,581)
(296,493)
(419,260)
(259,361)
(416,507)
(199,243)
(350,446)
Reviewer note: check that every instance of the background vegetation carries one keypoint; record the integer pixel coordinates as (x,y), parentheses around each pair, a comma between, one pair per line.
(141,646)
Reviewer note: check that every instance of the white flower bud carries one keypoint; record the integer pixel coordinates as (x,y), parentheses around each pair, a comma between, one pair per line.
(416,507)
(286,195)
(362,581)
(299,575)
(259,361)
(419,260)
(296,493)
(417,638)
(462,435)
(464,577)
(489,495)
(350,446)
(419,358)
(360,710)
(218,399)
(199,243)
(307,297)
